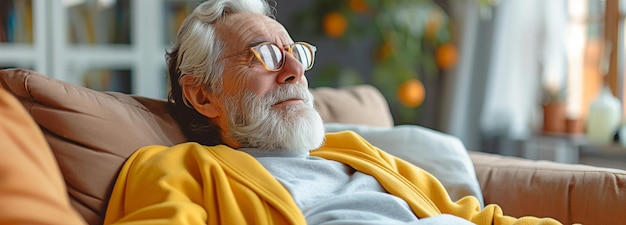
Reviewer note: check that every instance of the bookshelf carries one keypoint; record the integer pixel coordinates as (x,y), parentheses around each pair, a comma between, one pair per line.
(20,22)
(116,45)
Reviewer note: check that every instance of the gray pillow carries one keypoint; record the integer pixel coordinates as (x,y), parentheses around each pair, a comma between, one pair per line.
(442,155)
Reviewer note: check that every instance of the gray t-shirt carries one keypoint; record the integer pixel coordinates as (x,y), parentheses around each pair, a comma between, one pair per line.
(329,192)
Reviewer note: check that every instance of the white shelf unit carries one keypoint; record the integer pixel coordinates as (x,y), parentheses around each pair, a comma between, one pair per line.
(32,55)
(141,56)
(51,54)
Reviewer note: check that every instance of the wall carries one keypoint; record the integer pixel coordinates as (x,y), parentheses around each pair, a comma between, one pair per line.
(329,51)
(360,57)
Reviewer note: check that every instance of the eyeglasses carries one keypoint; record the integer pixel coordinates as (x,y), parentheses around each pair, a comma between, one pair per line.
(272,56)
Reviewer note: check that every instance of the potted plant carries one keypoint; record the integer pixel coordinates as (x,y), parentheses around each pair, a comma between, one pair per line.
(554,110)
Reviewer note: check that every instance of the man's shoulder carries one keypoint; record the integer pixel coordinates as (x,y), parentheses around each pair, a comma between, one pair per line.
(162,149)
(346,134)
(344,139)
(179,152)
(347,143)
(193,158)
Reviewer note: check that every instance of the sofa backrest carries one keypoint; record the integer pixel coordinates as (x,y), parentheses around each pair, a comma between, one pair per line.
(91,133)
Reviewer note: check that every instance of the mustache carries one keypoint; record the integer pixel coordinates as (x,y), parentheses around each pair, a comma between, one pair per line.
(287,92)
(250,103)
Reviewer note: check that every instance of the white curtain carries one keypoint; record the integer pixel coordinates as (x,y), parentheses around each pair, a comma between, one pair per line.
(505,58)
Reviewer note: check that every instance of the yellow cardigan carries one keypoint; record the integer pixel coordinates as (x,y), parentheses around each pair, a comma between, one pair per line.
(194,184)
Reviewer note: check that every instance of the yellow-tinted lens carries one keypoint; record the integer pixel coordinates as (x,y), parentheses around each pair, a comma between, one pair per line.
(270,55)
(305,53)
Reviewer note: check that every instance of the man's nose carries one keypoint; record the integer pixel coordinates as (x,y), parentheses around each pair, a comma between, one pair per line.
(292,71)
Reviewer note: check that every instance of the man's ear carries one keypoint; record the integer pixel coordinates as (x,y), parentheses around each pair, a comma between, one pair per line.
(198,97)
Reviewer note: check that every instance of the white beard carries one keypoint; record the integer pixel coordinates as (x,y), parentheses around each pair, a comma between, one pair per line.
(294,129)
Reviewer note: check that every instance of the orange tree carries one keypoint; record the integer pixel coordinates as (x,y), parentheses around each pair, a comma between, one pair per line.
(412,38)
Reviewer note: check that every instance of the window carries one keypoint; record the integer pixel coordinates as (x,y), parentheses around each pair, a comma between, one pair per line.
(614,22)
(595,26)
(618,22)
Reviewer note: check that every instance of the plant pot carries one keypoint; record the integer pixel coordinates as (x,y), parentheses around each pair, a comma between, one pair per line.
(554,117)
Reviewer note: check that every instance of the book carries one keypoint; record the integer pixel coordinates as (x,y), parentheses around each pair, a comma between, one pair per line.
(94,23)
(108,80)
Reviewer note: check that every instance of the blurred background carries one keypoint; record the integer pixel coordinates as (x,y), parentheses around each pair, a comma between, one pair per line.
(540,79)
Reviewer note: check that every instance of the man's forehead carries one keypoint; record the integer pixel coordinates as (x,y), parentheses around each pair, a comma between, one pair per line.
(245,29)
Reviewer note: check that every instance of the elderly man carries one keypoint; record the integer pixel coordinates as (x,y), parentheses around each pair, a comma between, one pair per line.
(260,154)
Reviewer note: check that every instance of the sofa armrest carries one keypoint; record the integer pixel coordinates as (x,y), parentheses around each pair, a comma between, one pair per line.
(566,192)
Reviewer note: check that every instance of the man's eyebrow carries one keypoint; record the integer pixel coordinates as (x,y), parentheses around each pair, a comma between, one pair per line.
(256,42)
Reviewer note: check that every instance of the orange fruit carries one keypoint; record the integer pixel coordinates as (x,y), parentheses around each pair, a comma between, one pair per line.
(358,6)
(335,24)
(446,56)
(411,93)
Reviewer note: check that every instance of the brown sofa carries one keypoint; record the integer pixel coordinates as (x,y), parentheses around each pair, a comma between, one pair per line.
(91,133)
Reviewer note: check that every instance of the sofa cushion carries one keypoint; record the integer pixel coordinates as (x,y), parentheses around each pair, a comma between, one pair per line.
(569,193)
(27,165)
(361,104)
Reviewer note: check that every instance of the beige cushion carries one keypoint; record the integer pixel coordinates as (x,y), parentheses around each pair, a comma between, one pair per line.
(362,104)
(91,133)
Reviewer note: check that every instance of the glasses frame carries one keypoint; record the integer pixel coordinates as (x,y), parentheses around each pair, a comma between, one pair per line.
(255,53)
